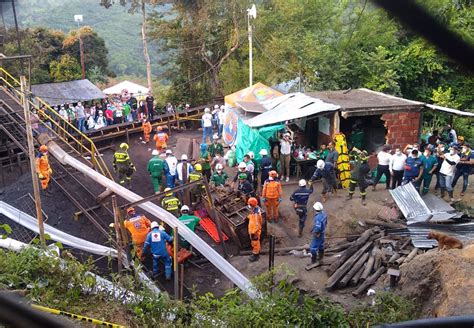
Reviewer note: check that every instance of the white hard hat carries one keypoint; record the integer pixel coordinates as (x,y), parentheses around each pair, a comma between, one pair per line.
(219,166)
(169,151)
(251,154)
(302,183)
(184,157)
(222,107)
(154,224)
(318,206)
(320,164)
(215,137)
(216,106)
(242,165)
(206,110)
(184,208)
(263,152)
(155,152)
(286,134)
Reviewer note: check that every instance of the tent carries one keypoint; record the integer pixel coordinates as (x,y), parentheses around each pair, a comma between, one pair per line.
(126,85)
(257,93)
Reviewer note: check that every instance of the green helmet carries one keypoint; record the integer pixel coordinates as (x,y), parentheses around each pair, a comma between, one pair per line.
(242,176)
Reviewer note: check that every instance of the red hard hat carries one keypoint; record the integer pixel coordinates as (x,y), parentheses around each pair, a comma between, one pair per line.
(43,148)
(273,174)
(252,201)
(159,128)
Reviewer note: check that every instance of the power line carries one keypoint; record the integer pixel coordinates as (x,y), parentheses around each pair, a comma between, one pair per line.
(271,59)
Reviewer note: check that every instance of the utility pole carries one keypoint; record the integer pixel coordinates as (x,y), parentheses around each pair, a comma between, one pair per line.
(251,13)
(78,19)
(31,156)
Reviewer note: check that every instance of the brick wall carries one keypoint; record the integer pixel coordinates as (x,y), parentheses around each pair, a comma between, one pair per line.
(402,128)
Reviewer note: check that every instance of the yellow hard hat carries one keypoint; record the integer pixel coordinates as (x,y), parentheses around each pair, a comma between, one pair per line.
(124,146)
(198,167)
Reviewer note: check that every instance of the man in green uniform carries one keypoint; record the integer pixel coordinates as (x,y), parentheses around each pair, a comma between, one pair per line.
(430,163)
(190,221)
(219,177)
(155,167)
(171,203)
(216,147)
(123,165)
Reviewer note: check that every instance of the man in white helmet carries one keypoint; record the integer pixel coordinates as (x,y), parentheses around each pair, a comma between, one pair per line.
(206,125)
(183,169)
(319,229)
(265,165)
(325,171)
(242,168)
(156,169)
(171,162)
(221,118)
(300,198)
(190,221)
(219,177)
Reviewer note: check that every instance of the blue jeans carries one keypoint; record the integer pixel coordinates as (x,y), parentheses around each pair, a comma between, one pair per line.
(465,179)
(156,265)
(317,244)
(221,128)
(446,182)
(81,124)
(207,133)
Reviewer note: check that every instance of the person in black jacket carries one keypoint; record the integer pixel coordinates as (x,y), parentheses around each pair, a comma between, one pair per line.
(265,166)
(358,176)
(300,198)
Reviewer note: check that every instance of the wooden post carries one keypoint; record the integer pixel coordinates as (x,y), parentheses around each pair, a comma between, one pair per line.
(117,233)
(181,286)
(31,155)
(175,262)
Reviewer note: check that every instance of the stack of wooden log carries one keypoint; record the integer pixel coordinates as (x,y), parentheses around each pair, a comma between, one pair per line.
(361,261)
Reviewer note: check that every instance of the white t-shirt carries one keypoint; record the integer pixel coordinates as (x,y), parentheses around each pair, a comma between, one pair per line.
(397,162)
(446,168)
(221,117)
(207,120)
(384,158)
(285,147)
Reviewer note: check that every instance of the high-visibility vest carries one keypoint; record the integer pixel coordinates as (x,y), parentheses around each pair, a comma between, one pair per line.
(170,203)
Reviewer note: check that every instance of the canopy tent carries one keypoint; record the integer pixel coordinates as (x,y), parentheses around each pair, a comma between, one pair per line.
(126,85)
(290,107)
(257,93)
(60,93)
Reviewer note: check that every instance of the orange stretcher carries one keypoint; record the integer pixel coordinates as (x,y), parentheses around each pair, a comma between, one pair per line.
(210,227)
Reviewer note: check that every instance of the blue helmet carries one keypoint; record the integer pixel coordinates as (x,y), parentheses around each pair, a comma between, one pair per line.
(203,146)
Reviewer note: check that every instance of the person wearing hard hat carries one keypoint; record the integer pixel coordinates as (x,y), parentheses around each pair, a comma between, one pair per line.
(156,243)
(285,156)
(216,147)
(245,188)
(205,160)
(255,171)
(359,174)
(318,230)
(196,175)
(146,130)
(265,166)
(255,227)
(219,177)
(170,202)
(221,117)
(189,220)
(161,139)
(325,171)
(271,196)
(123,165)
(300,198)
(156,168)
(206,121)
(183,169)
(170,164)
(138,226)
(242,169)
(43,169)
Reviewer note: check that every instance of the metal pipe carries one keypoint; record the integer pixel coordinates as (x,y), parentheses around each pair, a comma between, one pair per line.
(215,258)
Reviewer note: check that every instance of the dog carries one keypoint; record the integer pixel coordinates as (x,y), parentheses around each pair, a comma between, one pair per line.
(445,241)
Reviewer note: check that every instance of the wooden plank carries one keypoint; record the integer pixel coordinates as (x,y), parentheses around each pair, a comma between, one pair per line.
(355,268)
(370,281)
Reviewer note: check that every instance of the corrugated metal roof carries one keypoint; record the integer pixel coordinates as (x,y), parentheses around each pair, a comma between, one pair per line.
(67,92)
(450,110)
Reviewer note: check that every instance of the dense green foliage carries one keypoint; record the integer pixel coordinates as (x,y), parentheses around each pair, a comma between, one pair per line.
(58,284)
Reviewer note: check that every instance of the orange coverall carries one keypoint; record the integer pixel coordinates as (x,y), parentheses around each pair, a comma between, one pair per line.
(272,193)
(161,139)
(43,169)
(146,131)
(139,227)
(255,229)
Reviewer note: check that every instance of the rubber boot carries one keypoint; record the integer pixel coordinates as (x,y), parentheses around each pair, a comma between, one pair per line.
(254,257)
(300,232)
(349,197)
(313,258)
(363,200)
(320,254)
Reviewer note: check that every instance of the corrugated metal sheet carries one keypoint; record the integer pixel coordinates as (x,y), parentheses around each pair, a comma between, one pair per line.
(450,110)
(416,209)
(67,92)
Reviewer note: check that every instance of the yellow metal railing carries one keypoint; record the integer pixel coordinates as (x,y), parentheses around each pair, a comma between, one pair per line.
(62,127)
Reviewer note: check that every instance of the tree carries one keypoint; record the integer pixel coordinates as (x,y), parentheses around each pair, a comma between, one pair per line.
(66,69)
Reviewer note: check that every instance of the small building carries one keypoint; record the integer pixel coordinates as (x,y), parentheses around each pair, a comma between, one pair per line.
(60,93)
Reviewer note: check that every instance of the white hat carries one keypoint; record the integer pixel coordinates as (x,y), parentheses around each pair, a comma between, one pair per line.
(222,107)
(251,154)
(263,152)
(242,165)
(216,106)
(184,157)
(302,183)
(184,208)
(320,164)
(215,137)
(169,151)
(155,152)
(219,166)
(154,224)
(286,134)
(206,110)
(318,206)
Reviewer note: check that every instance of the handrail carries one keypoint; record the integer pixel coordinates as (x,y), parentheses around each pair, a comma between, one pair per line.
(96,159)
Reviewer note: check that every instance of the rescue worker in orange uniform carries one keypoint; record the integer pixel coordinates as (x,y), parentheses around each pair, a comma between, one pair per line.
(271,195)
(43,168)
(161,138)
(255,228)
(139,227)
(146,130)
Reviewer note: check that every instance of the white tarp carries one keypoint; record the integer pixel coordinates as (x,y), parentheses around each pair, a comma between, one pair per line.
(126,85)
(293,106)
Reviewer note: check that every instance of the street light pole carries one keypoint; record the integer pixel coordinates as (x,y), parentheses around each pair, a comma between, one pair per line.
(78,19)
(251,13)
